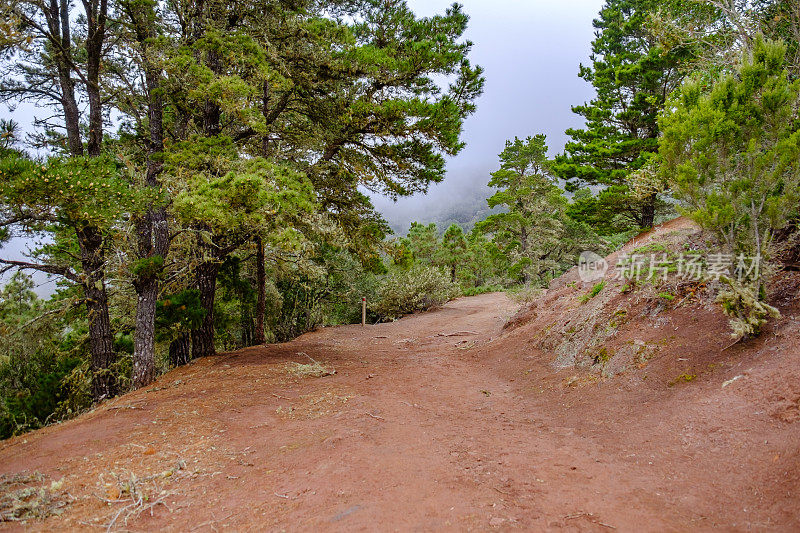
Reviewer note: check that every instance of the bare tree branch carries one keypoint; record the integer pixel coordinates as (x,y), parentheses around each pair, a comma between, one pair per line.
(49,269)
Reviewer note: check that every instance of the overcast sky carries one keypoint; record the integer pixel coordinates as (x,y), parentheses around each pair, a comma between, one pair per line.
(531,51)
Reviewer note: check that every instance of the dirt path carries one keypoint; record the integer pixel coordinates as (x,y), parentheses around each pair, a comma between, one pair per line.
(423,427)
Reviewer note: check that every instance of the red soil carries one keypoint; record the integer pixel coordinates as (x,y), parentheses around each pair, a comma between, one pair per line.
(443,421)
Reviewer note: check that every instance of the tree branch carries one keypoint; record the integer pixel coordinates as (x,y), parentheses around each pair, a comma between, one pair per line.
(49,269)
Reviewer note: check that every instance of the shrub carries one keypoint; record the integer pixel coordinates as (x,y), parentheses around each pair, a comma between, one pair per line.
(745,307)
(44,372)
(415,289)
(34,406)
(474,291)
(594,292)
(683,378)
(525,294)
(732,156)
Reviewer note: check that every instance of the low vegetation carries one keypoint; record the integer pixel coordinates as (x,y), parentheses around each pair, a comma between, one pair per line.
(597,289)
(414,289)
(25,497)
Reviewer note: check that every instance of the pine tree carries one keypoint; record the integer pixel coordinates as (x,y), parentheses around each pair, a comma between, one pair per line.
(632,75)
(349,104)
(534,232)
(228,209)
(210,97)
(527,230)
(731,155)
(57,62)
(423,242)
(140,25)
(454,250)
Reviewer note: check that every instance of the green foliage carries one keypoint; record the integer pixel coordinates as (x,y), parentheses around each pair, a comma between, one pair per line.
(253,199)
(400,253)
(471,259)
(597,289)
(733,156)
(33,406)
(74,192)
(148,266)
(454,250)
(734,151)
(720,31)
(395,64)
(423,243)
(40,374)
(484,265)
(178,313)
(483,289)
(254,123)
(602,356)
(325,290)
(780,20)
(416,289)
(234,305)
(617,240)
(534,233)
(524,294)
(686,377)
(632,75)
(744,305)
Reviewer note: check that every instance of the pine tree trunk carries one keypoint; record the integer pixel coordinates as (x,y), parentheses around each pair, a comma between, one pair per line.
(101,346)
(90,239)
(153,237)
(203,336)
(152,229)
(179,353)
(523,239)
(261,302)
(61,37)
(206,272)
(261,277)
(96,32)
(144,335)
(71,112)
(101,339)
(648,212)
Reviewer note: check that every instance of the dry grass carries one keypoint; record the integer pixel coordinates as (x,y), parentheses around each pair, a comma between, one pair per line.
(311,370)
(525,295)
(27,496)
(314,369)
(135,494)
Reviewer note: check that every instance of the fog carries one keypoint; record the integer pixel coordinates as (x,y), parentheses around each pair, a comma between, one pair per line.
(531,51)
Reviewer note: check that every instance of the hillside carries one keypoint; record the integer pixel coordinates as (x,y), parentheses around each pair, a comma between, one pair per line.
(626,411)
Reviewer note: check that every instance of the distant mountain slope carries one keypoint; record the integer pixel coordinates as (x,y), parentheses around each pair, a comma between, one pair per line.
(464,205)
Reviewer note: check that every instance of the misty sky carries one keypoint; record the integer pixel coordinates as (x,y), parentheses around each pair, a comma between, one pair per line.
(531,51)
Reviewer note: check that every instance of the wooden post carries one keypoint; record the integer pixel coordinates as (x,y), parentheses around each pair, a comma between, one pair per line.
(363,311)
